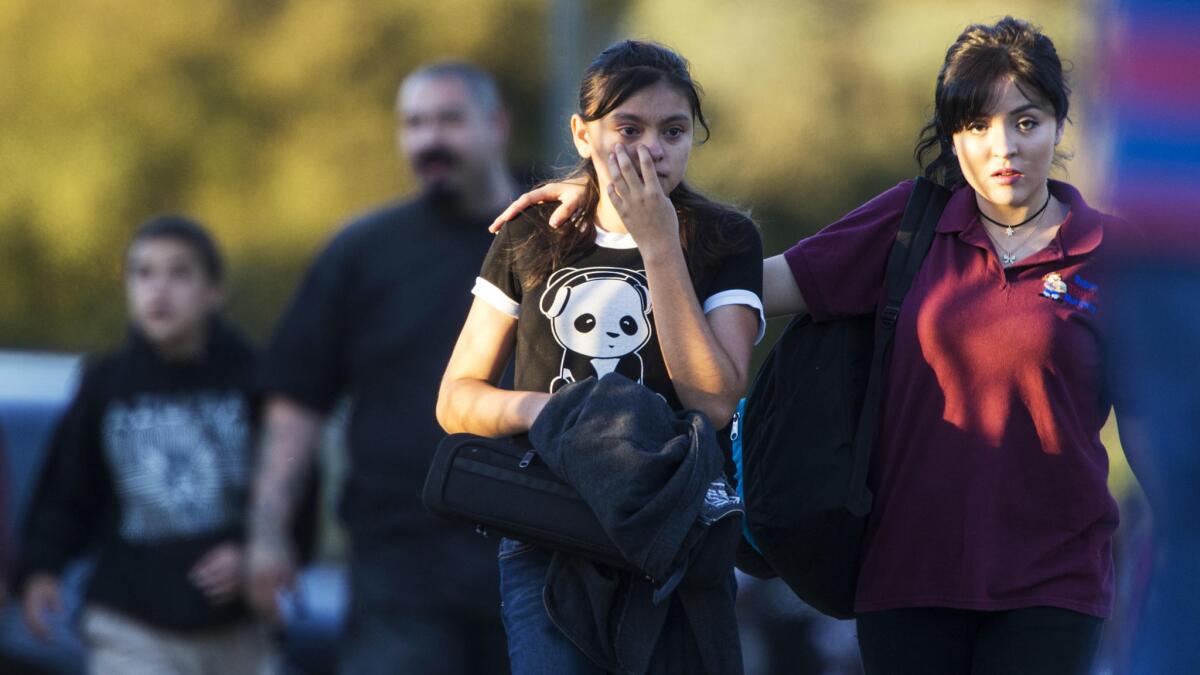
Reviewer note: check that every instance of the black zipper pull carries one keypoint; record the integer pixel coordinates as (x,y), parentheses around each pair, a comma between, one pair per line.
(526,459)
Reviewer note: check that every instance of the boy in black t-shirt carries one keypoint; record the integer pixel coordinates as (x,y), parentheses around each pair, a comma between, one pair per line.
(149,468)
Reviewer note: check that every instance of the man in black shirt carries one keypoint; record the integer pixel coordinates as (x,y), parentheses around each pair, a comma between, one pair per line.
(376,318)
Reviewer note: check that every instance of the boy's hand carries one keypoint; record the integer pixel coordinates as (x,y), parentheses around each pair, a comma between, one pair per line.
(39,598)
(219,573)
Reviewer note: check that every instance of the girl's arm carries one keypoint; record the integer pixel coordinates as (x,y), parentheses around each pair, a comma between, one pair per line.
(469,400)
(707,358)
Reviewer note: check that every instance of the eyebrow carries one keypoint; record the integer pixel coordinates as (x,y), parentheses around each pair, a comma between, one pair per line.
(1027,106)
(630,117)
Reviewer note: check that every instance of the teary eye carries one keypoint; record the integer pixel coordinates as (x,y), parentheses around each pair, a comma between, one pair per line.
(628,325)
(585,323)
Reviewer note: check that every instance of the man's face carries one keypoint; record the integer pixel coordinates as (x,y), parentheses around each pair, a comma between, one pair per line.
(447,138)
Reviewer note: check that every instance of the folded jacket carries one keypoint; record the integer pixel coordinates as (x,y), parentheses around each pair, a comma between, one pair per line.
(654,479)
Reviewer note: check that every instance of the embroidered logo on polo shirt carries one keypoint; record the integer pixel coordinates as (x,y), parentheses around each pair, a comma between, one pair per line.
(1056,289)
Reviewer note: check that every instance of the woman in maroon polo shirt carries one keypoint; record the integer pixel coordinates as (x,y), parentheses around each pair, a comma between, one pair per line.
(988,549)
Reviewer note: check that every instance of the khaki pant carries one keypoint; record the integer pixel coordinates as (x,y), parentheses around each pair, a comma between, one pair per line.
(121,646)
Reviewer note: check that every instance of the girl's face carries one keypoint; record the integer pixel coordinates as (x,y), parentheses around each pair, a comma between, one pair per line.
(1006,155)
(658,117)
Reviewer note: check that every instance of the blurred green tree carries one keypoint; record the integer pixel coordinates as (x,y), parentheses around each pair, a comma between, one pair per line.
(269,121)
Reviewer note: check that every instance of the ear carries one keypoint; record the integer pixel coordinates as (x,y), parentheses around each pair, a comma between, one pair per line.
(216,297)
(579,135)
(1058,133)
(561,297)
(501,124)
(646,303)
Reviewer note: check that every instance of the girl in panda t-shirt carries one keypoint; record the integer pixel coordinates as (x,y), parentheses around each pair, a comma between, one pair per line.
(650,280)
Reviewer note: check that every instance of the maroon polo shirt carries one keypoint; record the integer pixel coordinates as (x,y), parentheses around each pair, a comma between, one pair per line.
(990,480)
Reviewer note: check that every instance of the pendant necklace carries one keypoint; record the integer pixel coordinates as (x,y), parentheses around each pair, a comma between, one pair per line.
(1009,228)
(1007,257)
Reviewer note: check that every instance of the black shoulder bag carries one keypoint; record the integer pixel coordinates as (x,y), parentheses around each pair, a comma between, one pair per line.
(804,434)
(503,488)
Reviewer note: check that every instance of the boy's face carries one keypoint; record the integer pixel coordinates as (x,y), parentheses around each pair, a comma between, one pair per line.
(170,295)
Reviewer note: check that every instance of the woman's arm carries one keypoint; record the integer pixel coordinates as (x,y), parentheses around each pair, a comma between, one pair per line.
(781,295)
(569,194)
(707,358)
(469,400)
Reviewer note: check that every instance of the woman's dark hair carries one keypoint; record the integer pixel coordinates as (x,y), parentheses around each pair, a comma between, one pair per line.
(616,74)
(188,232)
(979,59)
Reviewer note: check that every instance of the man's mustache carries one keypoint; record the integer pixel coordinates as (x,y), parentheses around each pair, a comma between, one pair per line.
(437,155)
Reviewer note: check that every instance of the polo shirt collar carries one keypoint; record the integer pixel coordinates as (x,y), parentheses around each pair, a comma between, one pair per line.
(1080,233)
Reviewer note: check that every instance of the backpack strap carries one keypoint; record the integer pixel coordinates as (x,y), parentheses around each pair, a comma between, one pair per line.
(921,215)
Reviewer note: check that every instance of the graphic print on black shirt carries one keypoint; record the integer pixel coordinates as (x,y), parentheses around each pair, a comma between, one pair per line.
(600,316)
(179,462)
(594,315)
(149,469)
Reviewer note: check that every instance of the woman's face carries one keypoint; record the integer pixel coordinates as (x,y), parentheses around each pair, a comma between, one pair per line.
(1006,155)
(658,117)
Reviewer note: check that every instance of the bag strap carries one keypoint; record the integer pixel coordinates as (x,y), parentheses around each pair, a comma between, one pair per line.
(921,215)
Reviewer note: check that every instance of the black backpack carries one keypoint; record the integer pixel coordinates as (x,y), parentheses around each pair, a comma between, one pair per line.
(802,438)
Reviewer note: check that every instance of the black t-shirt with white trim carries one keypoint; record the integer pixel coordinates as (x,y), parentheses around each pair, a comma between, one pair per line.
(593,315)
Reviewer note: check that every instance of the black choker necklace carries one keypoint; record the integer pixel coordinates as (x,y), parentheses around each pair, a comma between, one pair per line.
(1010,228)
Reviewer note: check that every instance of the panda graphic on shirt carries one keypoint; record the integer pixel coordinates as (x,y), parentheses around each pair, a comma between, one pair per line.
(600,316)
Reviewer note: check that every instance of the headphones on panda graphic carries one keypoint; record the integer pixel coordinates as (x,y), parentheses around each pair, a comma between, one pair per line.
(558,287)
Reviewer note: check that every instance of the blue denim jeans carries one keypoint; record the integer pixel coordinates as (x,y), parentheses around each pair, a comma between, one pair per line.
(535,645)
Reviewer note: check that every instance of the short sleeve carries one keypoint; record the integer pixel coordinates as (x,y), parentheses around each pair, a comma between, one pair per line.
(498,284)
(840,270)
(738,278)
(305,358)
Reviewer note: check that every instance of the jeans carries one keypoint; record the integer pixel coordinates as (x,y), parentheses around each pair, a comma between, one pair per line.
(535,645)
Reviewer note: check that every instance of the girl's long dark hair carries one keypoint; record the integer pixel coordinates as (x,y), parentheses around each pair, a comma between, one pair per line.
(981,57)
(616,74)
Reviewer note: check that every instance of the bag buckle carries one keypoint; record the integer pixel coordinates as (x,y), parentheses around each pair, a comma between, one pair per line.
(891,314)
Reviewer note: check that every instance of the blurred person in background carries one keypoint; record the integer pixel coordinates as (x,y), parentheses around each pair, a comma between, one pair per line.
(1152,72)
(989,545)
(150,468)
(375,318)
(5,551)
